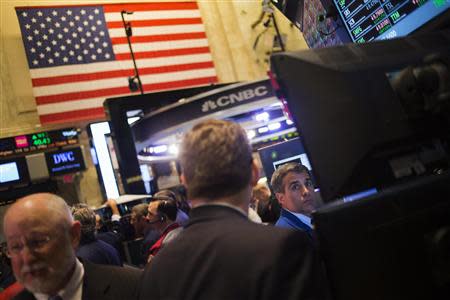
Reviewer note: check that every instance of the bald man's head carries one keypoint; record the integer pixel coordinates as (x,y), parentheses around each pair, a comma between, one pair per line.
(42,204)
(42,238)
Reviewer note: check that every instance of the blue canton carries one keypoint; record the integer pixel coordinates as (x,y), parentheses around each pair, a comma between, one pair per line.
(64,36)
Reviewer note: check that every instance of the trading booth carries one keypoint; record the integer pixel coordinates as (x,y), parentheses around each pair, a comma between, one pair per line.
(370,120)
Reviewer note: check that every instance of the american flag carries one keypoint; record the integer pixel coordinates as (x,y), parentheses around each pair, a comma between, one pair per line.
(78,55)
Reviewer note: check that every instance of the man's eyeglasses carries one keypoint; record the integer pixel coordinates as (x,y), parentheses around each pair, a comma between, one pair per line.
(34,244)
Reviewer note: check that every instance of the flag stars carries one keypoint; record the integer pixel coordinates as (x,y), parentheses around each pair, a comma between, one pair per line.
(77,18)
(66,30)
(101,33)
(24,14)
(96,39)
(48,49)
(27,26)
(74,34)
(55,13)
(91,17)
(33,50)
(50,60)
(71,24)
(54,42)
(83,40)
(99,51)
(33,20)
(51,31)
(56,54)
(79,58)
(93,57)
(35,62)
(45,37)
(65,59)
(96,11)
(85,23)
(39,43)
(57,25)
(105,44)
(69,12)
(85,52)
(30,38)
(39,13)
(68,41)
(41,55)
(83,12)
(77,46)
(71,53)
(62,47)
(60,36)
(88,34)
(48,19)
(36,32)
(80,29)
(107,55)
(93,28)
(63,18)
(91,45)
(42,25)
(99,22)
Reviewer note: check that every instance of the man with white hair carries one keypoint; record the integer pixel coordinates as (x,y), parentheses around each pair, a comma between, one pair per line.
(42,238)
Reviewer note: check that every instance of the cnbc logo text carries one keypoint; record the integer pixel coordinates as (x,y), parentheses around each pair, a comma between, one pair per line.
(223,101)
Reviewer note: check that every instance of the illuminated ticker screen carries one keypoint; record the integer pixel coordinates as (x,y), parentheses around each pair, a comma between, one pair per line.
(367,20)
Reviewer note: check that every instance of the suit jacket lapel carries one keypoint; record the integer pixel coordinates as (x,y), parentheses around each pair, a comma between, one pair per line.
(94,285)
(294,221)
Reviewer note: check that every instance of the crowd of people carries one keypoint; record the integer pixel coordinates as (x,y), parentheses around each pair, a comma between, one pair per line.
(212,249)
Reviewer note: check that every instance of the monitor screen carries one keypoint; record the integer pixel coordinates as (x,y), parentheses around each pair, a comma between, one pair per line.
(13,171)
(367,20)
(360,129)
(9,172)
(392,245)
(65,161)
(278,154)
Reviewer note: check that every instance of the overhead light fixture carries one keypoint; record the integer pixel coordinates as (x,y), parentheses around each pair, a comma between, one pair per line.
(262,117)
(263,129)
(274,126)
(160,149)
(173,149)
(251,134)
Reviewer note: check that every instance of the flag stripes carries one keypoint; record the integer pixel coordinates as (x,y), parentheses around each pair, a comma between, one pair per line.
(170,47)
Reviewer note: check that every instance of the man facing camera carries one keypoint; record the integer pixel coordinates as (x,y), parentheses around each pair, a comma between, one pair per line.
(42,237)
(221,254)
(294,190)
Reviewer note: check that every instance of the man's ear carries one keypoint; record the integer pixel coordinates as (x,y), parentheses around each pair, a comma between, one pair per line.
(280,197)
(75,234)
(255,173)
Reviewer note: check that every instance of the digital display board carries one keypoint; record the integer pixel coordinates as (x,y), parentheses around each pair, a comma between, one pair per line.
(367,20)
(13,172)
(65,161)
(38,141)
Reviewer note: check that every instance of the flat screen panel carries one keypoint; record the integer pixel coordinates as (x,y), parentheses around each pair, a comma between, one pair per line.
(367,20)
(9,172)
(13,171)
(65,161)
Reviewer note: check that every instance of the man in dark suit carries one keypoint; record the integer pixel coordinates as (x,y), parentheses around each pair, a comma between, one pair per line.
(220,254)
(294,190)
(42,237)
(90,247)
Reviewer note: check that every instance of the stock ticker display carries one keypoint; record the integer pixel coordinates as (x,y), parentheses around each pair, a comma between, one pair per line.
(38,141)
(366,20)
